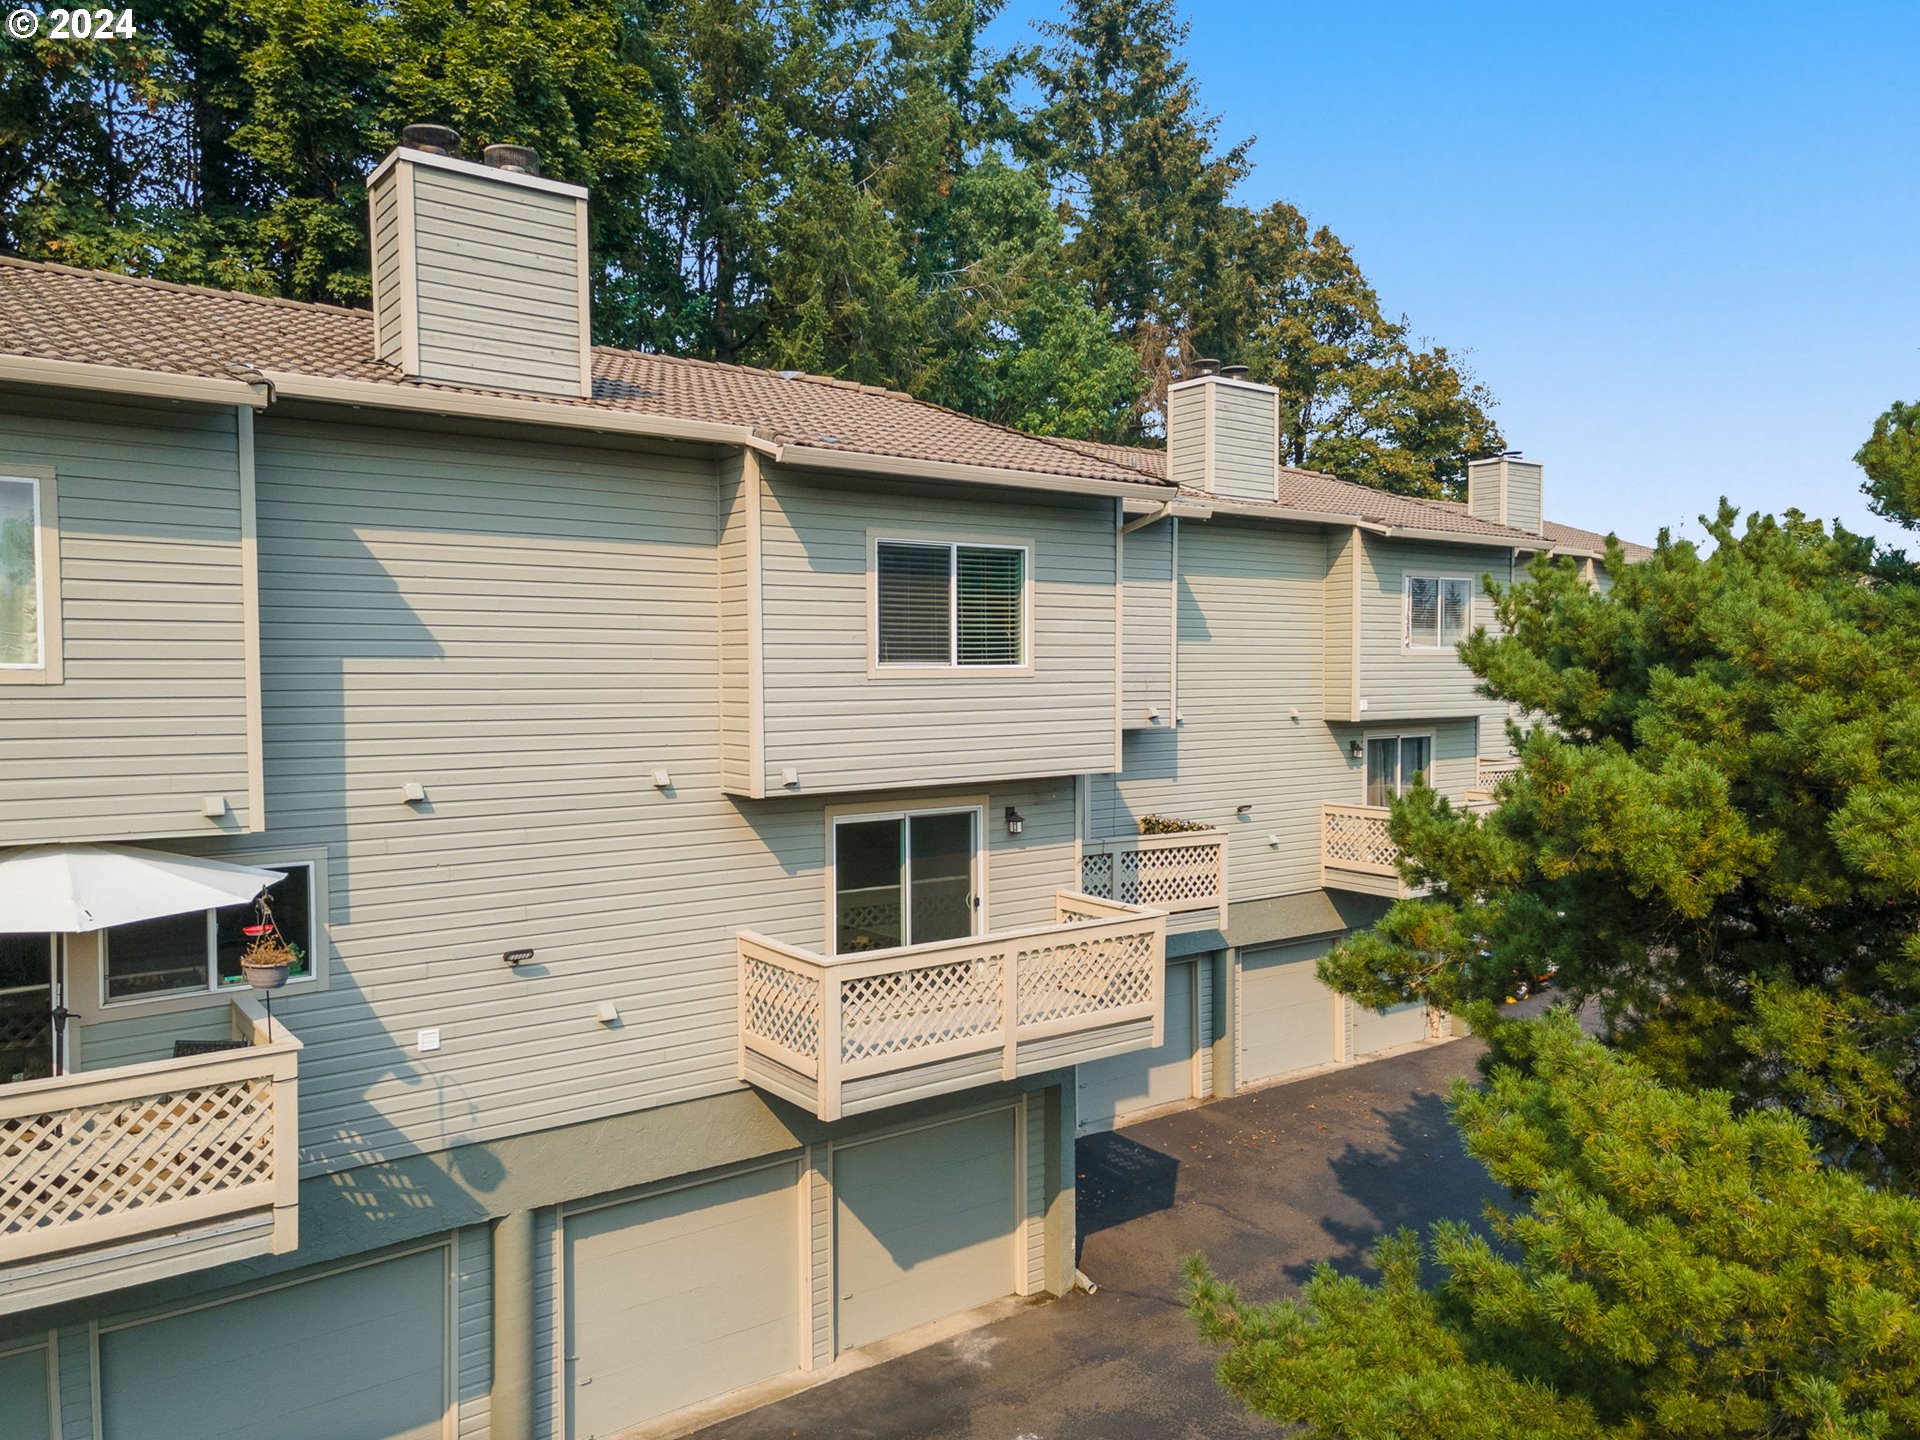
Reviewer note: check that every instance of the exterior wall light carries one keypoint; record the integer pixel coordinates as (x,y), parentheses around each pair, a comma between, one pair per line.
(1356,750)
(1243,809)
(1016,822)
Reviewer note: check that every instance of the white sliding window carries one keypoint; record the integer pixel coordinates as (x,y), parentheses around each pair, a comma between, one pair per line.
(200,951)
(950,605)
(1439,611)
(1394,763)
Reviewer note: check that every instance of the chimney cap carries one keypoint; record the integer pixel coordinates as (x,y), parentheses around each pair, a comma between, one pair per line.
(434,139)
(1234,372)
(1201,367)
(515,158)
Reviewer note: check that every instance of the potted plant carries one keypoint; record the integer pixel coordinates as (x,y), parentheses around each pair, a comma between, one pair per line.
(268,957)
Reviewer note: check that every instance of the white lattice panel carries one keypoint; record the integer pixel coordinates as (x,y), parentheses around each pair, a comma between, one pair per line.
(1358,840)
(900,1011)
(1186,874)
(782,1006)
(1083,977)
(101,1161)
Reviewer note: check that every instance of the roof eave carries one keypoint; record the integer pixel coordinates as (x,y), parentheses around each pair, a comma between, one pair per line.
(129,380)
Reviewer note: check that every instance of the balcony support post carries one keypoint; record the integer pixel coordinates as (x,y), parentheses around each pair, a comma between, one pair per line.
(510,1400)
(830,1053)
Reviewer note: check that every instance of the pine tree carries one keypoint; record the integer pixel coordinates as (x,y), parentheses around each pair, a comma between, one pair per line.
(1716,836)
(1133,159)
(1673,1267)
(1891,458)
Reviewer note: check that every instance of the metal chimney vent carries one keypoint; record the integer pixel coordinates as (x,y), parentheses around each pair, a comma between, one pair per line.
(1234,372)
(1201,368)
(516,159)
(434,139)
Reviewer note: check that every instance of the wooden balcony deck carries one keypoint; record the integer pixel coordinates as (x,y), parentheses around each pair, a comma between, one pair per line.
(843,1034)
(1357,853)
(150,1154)
(1184,874)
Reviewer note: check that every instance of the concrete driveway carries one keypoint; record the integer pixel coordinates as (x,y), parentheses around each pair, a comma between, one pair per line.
(1265,1185)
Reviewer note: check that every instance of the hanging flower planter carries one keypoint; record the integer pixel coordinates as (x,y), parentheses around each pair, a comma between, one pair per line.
(268,958)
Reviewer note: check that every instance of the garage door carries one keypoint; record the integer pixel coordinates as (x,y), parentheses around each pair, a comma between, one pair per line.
(1111,1092)
(357,1355)
(1289,1021)
(678,1297)
(1402,1025)
(924,1225)
(25,1413)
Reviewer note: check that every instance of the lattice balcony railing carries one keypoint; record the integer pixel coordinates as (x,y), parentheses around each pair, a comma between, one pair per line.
(109,1156)
(1177,873)
(1491,770)
(831,1019)
(1354,837)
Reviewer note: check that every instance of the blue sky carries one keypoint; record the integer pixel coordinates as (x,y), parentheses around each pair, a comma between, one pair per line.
(1680,243)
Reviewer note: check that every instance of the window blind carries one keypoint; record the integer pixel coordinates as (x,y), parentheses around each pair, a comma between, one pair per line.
(992,597)
(915,603)
(1423,610)
(1454,598)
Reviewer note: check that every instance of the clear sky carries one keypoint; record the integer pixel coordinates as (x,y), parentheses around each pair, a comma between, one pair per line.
(1681,243)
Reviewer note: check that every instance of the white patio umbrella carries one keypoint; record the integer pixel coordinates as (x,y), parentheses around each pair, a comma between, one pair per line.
(69,889)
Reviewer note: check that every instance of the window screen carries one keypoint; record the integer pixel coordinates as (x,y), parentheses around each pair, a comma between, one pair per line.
(992,599)
(19,573)
(1454,609)
(916,603)
(1423,611)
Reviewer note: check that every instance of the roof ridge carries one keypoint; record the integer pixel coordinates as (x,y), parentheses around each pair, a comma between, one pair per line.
(115,277)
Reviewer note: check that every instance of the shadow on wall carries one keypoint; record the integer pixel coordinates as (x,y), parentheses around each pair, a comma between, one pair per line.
(1417,1173)
(1120,1180)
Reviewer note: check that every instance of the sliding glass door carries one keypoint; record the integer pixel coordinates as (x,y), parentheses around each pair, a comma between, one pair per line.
(905,879)
(1394,762)
(27,1038)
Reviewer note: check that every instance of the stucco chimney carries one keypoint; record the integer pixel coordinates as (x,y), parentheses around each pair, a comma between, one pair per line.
(1223,433)
(479,271)
(1505,489)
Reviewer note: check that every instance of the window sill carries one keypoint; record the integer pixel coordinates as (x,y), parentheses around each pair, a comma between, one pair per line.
(877,671)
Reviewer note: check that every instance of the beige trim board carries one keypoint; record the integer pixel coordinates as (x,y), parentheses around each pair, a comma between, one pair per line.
(123,380)
(250,622)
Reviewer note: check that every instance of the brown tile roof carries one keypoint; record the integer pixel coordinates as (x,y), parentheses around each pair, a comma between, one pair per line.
(1569,537)
(56,313)
(1312,490)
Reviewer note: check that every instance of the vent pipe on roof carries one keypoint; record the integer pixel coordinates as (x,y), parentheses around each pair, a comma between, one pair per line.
(434,139)
(515,159)
(1234,372)
(1200,368)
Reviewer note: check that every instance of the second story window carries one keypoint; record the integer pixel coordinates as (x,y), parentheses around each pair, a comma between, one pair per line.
(22,582)
(1438,611)
(947,605)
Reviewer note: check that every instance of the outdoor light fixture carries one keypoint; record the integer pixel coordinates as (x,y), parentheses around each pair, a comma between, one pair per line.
(1356,750)
(1016,822)
(1243,809)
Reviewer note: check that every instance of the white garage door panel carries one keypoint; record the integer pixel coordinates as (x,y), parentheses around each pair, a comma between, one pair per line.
(1113,1091)
(924,1225)
(1402,1025)
(1288,1019)
(360,1355)
(675,1298)
(24,1414)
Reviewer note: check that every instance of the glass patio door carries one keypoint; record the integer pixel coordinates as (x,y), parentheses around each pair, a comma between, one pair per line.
(1394,762)
(905,880)
(27,1035)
